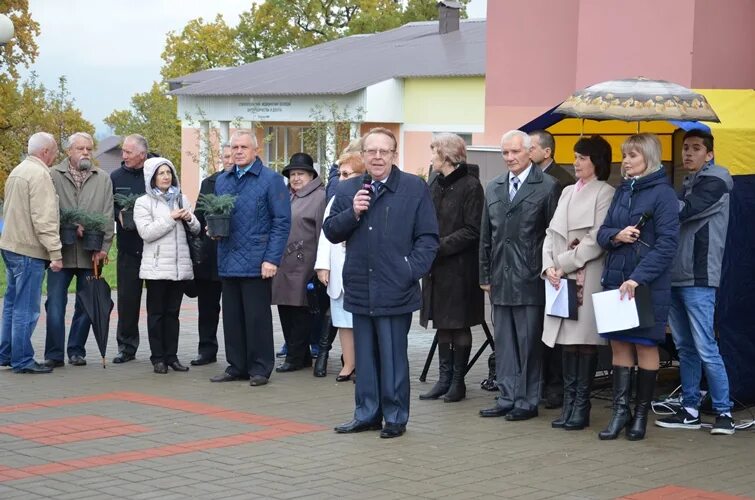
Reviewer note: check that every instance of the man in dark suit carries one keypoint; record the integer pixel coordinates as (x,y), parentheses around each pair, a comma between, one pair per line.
(542,152)
(391,240)
(518,207)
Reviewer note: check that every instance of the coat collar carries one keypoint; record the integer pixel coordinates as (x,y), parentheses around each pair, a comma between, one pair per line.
(578,208)
(309,188)
(529,186)
(455,175)
(62,167)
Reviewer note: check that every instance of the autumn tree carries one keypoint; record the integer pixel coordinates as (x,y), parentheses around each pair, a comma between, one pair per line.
(22,50)
(153,115)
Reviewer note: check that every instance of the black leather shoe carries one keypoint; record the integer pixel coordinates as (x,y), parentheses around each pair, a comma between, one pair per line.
(258,380)
(178,367)
(54,363)
(161,367)
(77,360)
(227,377)
(345,378)
(203,360)
(123,357)
(495,411)
(288,367)
(521,414)
(357,426)
(35,368)
(392,431)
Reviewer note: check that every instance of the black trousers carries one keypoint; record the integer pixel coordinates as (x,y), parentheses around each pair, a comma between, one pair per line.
(208,306)
(553,377)
(248,326)
(296,323)
(163,306)
(129,302)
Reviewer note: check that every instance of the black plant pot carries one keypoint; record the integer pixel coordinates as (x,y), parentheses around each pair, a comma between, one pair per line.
(127,216)
(218,226)
(68,234)
(92,240)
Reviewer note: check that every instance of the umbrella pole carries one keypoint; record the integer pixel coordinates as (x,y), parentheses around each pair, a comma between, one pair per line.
(638,128)
(582,128)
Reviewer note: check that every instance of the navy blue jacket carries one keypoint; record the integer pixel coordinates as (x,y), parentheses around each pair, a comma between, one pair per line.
(647,265)
(260,221)
(389,248)
(127,181)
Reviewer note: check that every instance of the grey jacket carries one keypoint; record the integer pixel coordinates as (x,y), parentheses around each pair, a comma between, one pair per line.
(704,219)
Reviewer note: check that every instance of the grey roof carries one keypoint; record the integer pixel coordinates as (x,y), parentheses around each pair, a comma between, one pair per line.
(107,144)
(352,63)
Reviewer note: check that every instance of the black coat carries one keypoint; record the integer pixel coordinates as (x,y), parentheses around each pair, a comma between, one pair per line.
(559,173)
(451,294)
(511,238)
(208,269)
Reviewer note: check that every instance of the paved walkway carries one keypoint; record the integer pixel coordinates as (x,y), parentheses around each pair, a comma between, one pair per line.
(85,432)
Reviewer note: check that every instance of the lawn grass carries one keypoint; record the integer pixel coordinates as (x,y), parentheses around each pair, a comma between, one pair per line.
(108,273)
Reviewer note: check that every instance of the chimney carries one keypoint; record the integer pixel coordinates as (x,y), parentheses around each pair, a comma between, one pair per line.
(448,16)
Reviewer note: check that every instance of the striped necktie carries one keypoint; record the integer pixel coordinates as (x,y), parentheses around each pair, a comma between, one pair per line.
(514,187)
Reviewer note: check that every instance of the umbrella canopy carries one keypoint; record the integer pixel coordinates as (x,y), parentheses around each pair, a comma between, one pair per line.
(638,99)
(98,304)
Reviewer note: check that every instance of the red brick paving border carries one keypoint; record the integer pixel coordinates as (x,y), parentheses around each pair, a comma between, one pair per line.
(672,492)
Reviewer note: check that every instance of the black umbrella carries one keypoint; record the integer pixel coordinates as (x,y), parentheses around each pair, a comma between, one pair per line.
(97,303)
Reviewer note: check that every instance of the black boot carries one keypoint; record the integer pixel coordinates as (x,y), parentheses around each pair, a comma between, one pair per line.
(445,366)
(622,380)
(458,389)
(569,364)
(645,392)
(580,416)
(327,335)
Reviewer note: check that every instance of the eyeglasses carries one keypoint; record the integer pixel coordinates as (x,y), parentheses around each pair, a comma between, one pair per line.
(378,152)
(345,173)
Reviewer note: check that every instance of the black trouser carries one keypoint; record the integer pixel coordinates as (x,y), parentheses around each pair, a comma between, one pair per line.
(296,323)
(129,302)
(208,305)
(553,378)
(248,326)
(163,306)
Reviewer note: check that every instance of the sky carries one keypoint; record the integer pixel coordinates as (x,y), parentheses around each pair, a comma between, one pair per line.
(110,50)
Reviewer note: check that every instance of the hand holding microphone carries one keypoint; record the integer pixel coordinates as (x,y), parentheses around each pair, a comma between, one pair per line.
(631,234)
(362,198)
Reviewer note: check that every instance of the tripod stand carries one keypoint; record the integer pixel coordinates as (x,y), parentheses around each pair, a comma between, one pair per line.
(431,354)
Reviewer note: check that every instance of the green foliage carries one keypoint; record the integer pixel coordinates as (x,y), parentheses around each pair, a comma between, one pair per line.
(22,49)
(93,221)
(70,216)
(125,201)
(152,114)
(211,204)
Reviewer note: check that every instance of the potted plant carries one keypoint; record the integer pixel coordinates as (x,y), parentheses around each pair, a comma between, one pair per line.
(126,202)
(94,230)
(69,220)
(217,211)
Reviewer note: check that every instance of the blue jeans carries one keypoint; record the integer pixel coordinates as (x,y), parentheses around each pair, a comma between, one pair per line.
(55,306)
(21,304)
(691,320)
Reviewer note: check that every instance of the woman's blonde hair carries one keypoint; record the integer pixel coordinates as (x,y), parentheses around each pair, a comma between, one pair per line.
(649,147)
(450,147)
(353,159)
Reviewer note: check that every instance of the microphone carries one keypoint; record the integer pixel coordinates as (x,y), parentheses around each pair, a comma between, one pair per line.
(367,183)
(643,220)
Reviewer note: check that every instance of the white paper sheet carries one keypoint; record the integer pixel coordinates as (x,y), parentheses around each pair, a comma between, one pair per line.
(557,301)
(613,314)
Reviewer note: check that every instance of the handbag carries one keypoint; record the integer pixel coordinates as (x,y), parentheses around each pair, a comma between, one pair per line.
(193,240)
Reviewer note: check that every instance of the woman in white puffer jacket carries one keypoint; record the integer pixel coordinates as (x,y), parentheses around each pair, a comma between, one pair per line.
(166,261)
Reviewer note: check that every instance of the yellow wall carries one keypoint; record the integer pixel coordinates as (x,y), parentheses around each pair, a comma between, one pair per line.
(459,100)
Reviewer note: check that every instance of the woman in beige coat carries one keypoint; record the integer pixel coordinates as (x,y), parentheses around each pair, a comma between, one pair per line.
(570,250)
(166,260)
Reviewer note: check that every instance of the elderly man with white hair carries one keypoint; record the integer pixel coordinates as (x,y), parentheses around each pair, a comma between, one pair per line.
(518,207)
(29,241)
(80,185)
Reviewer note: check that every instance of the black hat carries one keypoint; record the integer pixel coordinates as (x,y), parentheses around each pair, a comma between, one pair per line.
(300,161)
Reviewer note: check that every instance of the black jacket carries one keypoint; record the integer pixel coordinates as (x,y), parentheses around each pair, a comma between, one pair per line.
(127,181)
(451,294)
(208,268)
(512,235)
(559,173)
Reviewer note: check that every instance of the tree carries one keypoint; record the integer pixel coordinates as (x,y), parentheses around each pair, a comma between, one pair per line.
(22,50)
(153,115)
(198,47)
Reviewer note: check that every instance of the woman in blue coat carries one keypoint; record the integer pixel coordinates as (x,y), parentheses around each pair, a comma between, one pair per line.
(639,256)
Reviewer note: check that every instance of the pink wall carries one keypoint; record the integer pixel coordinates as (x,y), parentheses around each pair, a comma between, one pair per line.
(724,45)
(417,152)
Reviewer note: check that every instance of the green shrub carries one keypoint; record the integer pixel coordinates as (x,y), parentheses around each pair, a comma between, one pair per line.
(94,221)
(70,216)
(125,201)
(211,204)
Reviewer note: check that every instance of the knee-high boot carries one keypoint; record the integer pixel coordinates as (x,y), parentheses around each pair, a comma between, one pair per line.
(458,389)
(622,415)
(580,416)
(445,367)
(569,364)
(645,392)
(327,335)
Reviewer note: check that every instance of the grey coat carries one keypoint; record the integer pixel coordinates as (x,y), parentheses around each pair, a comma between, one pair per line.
(578,217)
(511,238)
(298,263)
